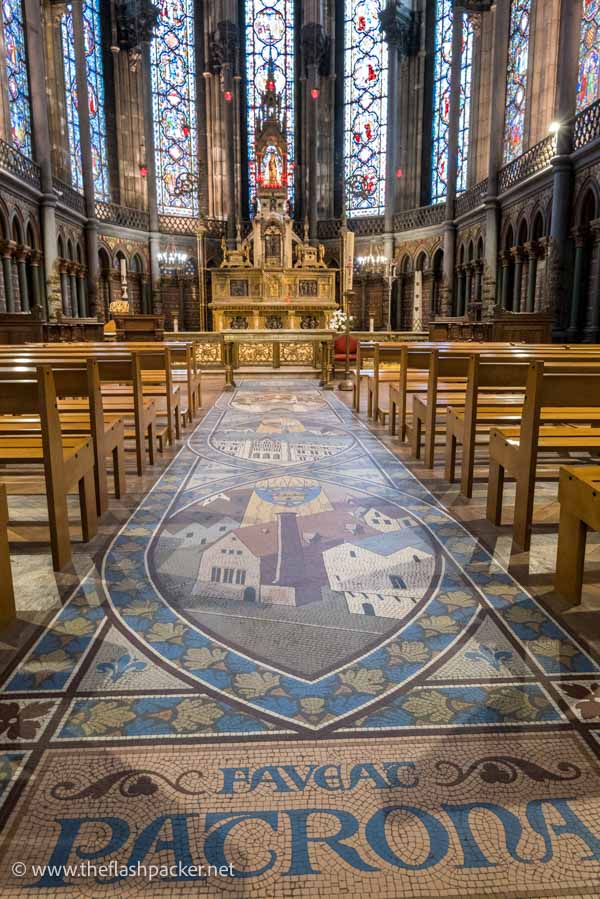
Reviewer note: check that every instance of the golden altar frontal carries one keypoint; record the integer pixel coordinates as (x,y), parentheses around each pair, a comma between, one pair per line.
(295,351)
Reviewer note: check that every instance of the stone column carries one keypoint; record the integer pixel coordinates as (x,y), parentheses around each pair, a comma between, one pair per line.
(540,284)
(399,30)
(518,257)
(581,236)
(478,288)
(315,47)
(6,248)
(558,264)
(89,191)
(532,251)
(21,257)
(154,238)
(144,288)
(460,292)
(81,298)
(42,147)
(224,48)
(64,289)
(73,290)
(35,257)
(501,15)
(506,260)
(592,332)
(449,226)
(468,287)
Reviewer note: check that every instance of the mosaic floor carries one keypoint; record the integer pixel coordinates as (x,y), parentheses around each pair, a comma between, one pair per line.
(295,674)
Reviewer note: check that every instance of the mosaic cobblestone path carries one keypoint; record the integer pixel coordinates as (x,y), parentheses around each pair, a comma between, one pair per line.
(295,667)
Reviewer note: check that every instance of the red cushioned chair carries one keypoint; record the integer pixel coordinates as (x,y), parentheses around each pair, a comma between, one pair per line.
(339,350)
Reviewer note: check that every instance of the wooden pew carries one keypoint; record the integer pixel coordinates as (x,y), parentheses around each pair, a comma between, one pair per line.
(157,383)
(72,382)
(447,387)
(121,368)
(414,376)
(384,354)
(185,369)
(156,374)
(579,496)
(7,594)
(514,451)
(494,397)
(447,376)
(67,461)
(365,357)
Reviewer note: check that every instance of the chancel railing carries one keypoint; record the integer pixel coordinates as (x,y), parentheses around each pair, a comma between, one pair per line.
(587,126)
(68,196)
(113,214)
(535,160)
(421,217)
(328,229)
(180,224)
(18,164)
(471,199)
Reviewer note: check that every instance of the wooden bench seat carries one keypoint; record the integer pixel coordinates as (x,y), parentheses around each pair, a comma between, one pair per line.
(66,463)
(497,389)
(7,593)
(78,391)
(470,423)
(579,497)
(121,379)
(514,451)
(110,445)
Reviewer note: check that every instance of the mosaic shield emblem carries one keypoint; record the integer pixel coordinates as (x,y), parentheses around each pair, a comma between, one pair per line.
(288,563)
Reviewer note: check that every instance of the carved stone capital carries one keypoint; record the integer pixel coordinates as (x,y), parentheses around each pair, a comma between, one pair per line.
(315,48)
(473,6)
(224,46)
(136,22)
(581,235)
(532,249)
(400,27)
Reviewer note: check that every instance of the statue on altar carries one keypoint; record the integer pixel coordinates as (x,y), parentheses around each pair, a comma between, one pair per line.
(273,277)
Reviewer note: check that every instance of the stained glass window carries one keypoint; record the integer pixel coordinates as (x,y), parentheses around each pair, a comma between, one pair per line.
(441,102)
(270,41)
(174,108)
(92,40)
(16,75)
(516,79)
(365,107)
(588,86)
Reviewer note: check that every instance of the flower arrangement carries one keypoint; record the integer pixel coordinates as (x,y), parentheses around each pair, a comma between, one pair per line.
(341,321)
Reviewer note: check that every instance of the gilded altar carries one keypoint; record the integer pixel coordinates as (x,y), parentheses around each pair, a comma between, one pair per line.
(273,280)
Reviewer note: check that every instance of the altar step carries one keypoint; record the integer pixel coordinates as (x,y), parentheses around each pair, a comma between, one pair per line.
(289,371)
